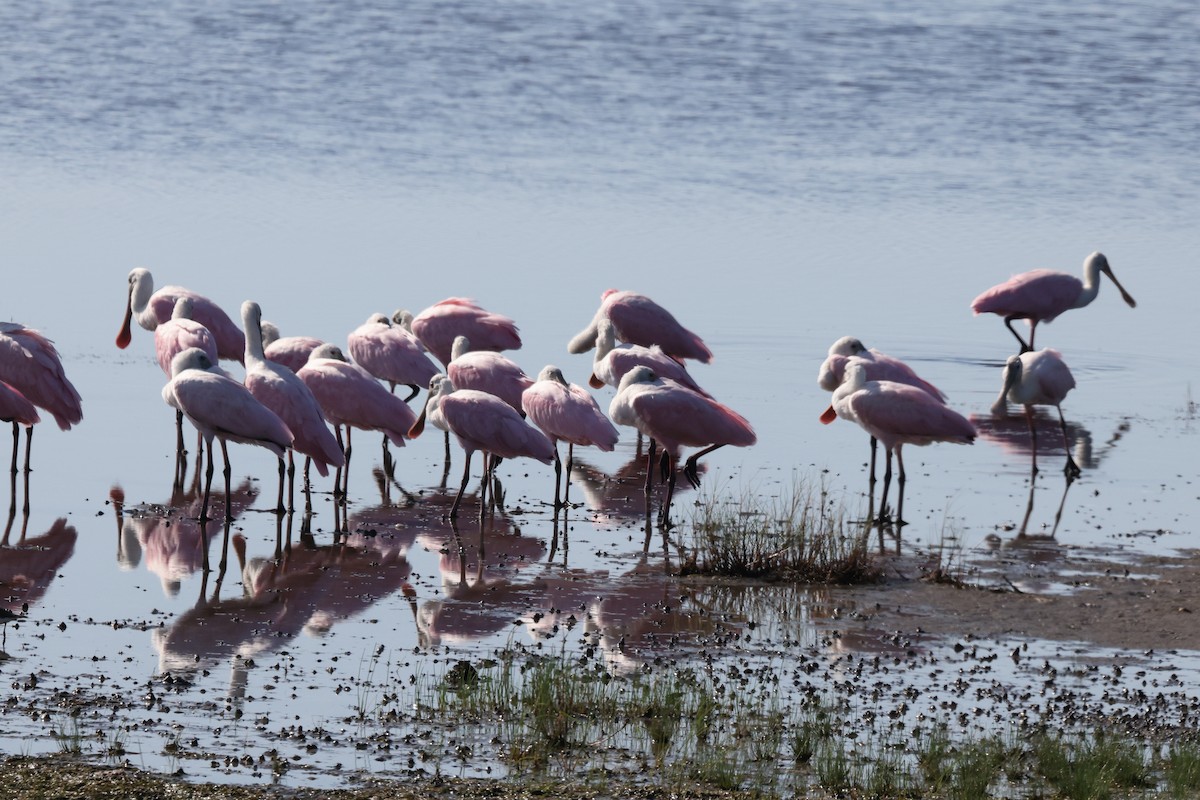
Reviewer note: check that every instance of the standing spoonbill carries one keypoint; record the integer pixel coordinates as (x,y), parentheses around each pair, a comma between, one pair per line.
(487,371)
(639,320)
(482,421)
(896,414)
(1040,295)
(1038,378)
(879,367)
(282,391)
(30,364)
(351,396)
(152,309)
(566,411)
(674,416)
(221,407)
(438,325)
(173,337)
(613,360)
(16,408)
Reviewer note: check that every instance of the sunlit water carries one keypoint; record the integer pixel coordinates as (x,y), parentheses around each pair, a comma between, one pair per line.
(777,177)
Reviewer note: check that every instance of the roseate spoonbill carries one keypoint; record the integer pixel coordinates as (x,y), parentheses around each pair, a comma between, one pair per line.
(612,361)
(30,364)
(152,308)
(437,326)
(879,367)
(173,337)
(487,371)
(290,351)
(482,421)
(896,414)
(674,416)
(565,411)
(16,408)
(282,391)
(351,396)
(1038,378)
(1040,295)
(393,354)
(640,320)
(221,407)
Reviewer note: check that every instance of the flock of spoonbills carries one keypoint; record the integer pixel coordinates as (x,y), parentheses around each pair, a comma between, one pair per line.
(896,407)
(295,387)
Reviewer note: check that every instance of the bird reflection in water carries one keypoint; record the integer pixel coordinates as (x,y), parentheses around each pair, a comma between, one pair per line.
(302,589)
(170,536)
(620,498)
(480,593)
(28,567)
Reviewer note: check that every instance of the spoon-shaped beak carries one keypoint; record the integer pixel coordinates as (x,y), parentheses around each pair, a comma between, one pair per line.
(1126,296)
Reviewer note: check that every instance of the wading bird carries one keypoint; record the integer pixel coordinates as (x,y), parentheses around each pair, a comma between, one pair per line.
(896,414)
(482,421)
(639,320)
(674,416)
(438,325)
(1040,295)
(151,309)
(1038,378)
(567,412)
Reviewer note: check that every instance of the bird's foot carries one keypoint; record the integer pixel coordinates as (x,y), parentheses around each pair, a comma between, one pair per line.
(1072,470)
(690,472)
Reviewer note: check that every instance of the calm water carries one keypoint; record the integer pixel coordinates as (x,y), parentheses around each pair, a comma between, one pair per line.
(776,176)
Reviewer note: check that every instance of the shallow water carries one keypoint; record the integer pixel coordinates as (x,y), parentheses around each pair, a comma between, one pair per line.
(777,179)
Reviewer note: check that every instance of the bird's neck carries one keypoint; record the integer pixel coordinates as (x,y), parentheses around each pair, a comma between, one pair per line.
(1091,285)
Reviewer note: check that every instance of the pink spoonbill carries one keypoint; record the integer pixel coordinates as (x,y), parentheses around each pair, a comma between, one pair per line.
(639,320)
(224,409)
(896,414)
(879,367)
(282,391)
(351,396)
(487,371)
(437,326)
(30,364)
(566,411)
(151,309)
(173,337)
(674,416)
(613,360)
(482,421)
(1038,378)
(289,351)
(1040,295)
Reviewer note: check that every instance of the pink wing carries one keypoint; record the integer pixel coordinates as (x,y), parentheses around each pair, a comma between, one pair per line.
(15,407)
(288,396)
(640,320)
(482,421)
(897,413)
(391,354)
(438,325)
(30,364)
(223,407)
(676,416)
(349,395)
(291,351)
(1041,293)
(570,414)
(231,342)
(176,335)
(492,373)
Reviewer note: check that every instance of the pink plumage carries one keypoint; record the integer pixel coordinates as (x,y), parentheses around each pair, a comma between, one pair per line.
(349,395)
(639,320)
(487,371)
(31,365)
(391,353)
(482,421)
(15,407)
(879,367)
(181,332)
(282,391)
(1040,295)
(152,309)
(291,351)
(438,325)
(567,412)
(223,408)
(612,361)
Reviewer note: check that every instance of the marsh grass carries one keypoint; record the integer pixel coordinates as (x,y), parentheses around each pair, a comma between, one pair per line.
(1090,767)
(797,536)
(1182,768)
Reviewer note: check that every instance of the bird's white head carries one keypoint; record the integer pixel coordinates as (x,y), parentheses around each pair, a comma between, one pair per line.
(461,345)
(639,374)
(847,346)
(183,308)
(552,373)
(329,351)
(379,319)
(1097,263)
(191,358)
(404,318)
(1013,368)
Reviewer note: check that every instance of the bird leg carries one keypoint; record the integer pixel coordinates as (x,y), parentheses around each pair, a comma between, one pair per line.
(1033,438)
(900,494)
(1008,321)
(16,446)
(415,391)
(570,465)
(664,515)
(28,442)
(690,466)
(228,472)
(346,474)
(874,447)
(207,495)
(337,475)
(463,486)
(291,506)
(280,508)
(557,478)
(650,466)
(887,482)
(1071,469)
(389,466)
